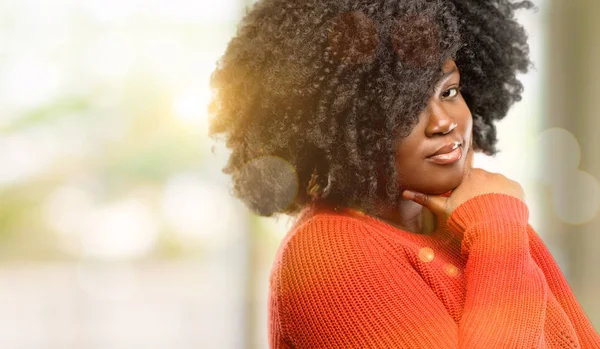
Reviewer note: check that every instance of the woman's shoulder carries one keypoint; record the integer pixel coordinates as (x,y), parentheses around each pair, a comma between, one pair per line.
(322,222)
(321,237)
(342,239)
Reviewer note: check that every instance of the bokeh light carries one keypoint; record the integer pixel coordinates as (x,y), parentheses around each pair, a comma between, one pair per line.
(271,179)
(560,155)
(575,193)
(121,230)
(201,214)
(577,199)
(426,254)
(451,270)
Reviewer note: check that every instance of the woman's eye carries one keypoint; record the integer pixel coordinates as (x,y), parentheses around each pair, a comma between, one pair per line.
(452,93)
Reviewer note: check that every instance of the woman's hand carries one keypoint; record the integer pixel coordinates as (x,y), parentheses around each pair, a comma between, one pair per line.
(475,182)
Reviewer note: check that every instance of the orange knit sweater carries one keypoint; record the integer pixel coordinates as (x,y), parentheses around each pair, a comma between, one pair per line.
(343,279)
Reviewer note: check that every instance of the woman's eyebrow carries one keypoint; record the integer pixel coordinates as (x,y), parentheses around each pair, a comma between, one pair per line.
(448,74)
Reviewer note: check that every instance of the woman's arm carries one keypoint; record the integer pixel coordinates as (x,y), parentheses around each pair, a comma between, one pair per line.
(504,286)
(588,336)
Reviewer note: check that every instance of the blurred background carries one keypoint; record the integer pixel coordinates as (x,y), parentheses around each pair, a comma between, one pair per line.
(117,229)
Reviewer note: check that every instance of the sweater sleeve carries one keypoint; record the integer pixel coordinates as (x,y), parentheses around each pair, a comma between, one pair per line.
(504,285)
(332,290)
(587,335)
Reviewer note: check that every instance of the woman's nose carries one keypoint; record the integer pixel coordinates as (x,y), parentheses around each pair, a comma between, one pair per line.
(440,122)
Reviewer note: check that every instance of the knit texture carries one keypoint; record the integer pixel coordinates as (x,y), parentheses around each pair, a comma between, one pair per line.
(343,279)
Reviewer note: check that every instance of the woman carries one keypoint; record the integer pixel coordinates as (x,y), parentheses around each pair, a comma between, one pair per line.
(360,118)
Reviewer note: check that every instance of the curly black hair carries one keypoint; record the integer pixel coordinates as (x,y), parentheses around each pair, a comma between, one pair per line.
(313,95)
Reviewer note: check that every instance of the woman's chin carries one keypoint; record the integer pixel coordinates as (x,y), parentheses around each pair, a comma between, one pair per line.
(440,187)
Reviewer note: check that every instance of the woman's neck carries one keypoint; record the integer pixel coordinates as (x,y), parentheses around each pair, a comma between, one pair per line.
(409,216)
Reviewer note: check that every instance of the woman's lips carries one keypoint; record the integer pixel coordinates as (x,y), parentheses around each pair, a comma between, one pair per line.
(448,158)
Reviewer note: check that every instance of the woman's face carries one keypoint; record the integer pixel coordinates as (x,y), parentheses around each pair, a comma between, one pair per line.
(445,124)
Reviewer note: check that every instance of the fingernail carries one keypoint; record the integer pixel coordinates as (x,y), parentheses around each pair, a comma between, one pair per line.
(408,194)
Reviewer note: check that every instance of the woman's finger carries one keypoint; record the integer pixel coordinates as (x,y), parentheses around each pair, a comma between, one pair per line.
(434,203)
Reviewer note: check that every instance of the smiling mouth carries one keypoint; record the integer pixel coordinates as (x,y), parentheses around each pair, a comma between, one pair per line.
(447,158)
(447,148)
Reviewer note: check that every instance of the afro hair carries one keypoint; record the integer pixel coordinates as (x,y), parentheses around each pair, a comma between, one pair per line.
(312,96)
